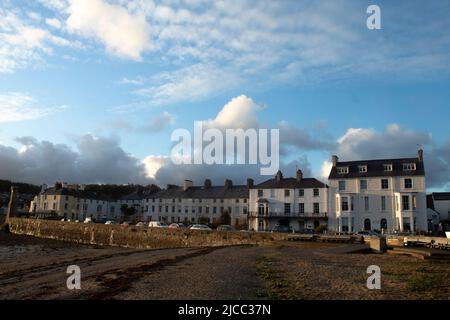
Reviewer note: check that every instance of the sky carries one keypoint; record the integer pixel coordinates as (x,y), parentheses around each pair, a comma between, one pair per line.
(91,90)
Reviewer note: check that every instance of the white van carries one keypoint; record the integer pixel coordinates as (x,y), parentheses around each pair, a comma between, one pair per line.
(88,220)
(157,224)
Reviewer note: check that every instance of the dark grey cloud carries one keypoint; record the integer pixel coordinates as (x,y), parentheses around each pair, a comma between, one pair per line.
(157,124)
(95,160)
(170,173)
(397,142)
(306,139)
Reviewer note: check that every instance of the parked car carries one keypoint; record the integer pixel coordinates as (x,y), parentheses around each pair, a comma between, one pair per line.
(88,220)
(306,231)
(110,222)
(225,227)
(157,224)
(125,224)
(200,227)
(177,226)
(282,229)
(368,233)
(140,224)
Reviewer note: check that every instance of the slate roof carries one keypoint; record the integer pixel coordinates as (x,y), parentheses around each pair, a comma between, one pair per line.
(441,196)
(375,168)
(430,201)
(75,193)
(195,192)
(291,183)
(136,195)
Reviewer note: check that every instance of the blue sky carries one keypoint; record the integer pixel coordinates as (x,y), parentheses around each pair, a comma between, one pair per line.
(127,73)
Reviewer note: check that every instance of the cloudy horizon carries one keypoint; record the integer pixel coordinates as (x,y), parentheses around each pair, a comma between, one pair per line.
(91,90)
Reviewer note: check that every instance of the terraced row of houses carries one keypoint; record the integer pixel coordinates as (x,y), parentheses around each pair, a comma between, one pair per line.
(387,195)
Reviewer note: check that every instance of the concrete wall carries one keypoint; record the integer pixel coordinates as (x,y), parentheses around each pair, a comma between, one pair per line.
(117,235)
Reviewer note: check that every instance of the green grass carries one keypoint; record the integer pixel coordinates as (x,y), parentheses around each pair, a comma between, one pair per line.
(424,282)
(278,288)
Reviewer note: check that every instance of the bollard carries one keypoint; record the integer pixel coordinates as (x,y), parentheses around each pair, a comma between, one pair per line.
(378,244)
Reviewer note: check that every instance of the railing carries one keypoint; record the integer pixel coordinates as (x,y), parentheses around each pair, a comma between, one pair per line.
(288,215)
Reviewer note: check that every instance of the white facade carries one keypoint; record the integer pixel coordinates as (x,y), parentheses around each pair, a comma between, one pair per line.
(295,202)
(75,208)
(442,206)
(392,201)
(194,210)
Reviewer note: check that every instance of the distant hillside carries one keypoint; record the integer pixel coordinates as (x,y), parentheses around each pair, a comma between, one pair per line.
(116,191)
(24,188)
(111,190)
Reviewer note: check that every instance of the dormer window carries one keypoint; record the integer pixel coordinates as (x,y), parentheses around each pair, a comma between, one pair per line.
(362,169)
(342,170)
(409,166)
(387,167)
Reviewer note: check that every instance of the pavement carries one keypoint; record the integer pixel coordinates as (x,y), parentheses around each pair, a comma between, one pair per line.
(32,268)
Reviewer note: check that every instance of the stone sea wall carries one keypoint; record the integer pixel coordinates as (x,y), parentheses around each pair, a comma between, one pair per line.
(117,235)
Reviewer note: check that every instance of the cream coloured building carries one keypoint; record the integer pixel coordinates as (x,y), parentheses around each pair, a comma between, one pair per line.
(385,194)
(301,203)
(199,204)
(73,202)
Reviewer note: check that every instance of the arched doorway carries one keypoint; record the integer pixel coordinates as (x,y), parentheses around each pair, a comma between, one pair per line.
(367,225)
(383,224)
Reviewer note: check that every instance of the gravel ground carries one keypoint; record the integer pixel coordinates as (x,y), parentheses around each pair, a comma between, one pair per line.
(32,268)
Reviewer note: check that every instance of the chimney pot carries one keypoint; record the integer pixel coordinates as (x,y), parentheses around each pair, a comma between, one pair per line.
(250,183)
(334,160)
(299,175)
(228,183)
(187,184)
(279,176)
(420,155)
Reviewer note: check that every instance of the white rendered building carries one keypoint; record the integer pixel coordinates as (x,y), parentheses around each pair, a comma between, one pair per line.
(199,204)
(301,203)
(386,194)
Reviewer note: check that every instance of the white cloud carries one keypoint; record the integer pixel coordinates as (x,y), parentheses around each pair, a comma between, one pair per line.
(124,34)
(188,84)
(325,169)
(154,163)
(53,22)
(240,112)
(22,43)
(16,106)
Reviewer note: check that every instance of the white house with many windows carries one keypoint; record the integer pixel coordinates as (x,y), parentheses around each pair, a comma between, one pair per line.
(199,204)
(387,194)
(73,202)
(301,203)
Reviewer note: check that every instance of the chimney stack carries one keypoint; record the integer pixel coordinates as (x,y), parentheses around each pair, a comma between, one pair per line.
(250,183)
(420,155)
(187,184)
(334,160)
(299,175)
(207,184)
(228,183)
(279,176)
